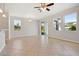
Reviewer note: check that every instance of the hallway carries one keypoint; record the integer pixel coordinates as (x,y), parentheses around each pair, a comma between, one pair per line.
(32,46)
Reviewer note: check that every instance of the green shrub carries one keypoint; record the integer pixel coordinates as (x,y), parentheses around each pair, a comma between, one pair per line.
(72,28)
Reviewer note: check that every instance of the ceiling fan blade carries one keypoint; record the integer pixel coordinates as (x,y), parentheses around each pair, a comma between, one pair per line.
(47,9)
(36,7)
(50,4)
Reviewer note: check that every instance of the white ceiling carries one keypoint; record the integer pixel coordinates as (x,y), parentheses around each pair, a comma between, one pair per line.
(27,10)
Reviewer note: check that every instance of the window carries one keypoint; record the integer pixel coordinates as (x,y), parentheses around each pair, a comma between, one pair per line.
(70,22)
(42,28)
(17,25)
(57,22)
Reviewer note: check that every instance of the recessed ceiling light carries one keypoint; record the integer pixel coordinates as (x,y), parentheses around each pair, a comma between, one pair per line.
(1,11)
(3,15)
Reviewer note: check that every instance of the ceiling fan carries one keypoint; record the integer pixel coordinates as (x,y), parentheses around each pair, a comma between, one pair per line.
(44,6)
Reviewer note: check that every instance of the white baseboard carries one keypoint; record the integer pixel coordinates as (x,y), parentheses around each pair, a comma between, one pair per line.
(65,39)
(23,36)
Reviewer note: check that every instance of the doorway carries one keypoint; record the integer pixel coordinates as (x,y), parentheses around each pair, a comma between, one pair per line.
(44,33)
(44,28)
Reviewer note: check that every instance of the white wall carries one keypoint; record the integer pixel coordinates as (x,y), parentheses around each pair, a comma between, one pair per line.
(2,40)
(4,25)
(69,36)
(27,28)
